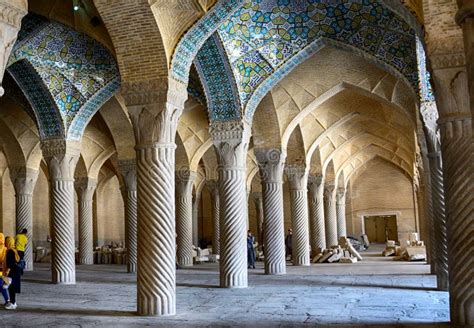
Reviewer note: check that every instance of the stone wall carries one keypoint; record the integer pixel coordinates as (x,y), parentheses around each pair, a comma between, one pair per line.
(110,213)
(382,190)
(8,204)
(205,226)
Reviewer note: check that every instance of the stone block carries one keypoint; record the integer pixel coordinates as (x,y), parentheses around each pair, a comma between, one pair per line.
(346,259)
(416,253)
(317,258)
(335,257)
(326,256)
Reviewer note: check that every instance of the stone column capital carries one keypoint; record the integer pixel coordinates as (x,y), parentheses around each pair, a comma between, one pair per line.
(62,156)
(213,186)
(315,182)
(429,113)
(257,196)
(297,176)
(270,162)
(231,140)
(12,12)
(128,169)
(23,179)
(329,190)
(85,188)
(258,199)
(340,194)
(184,181)
(154,108)
(466,10)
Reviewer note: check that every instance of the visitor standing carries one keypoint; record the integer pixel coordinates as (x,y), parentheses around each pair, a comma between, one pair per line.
(251,256)
(289,243)
(3,282)
(21,240)
(12,271)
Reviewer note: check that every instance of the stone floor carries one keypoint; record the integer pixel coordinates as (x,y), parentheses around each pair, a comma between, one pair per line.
(323,295)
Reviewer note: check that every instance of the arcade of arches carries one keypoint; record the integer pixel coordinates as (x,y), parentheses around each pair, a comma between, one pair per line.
(167,124)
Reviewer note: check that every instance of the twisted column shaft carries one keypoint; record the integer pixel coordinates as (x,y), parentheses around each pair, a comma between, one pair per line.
(457,149)
(156,276)
(233,226)
(465,19)
(258,201)
(24,220)
(62,157)
(330,215)
(439,221)
(154,107)
(24,180)
(270,163)
(316,218)
(62,226)
(341,213)
(436,201)
(196,205)
(85,189)
(184,217)
(298,178)
(131,230)
(231,141)
(129,193)
(213,186)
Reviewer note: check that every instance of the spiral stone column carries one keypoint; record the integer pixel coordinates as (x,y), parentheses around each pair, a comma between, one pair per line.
(270,163)
(440,224)
(457,151)
(465,19)
(341,212)
(85,189)
(196,206)
(330,215)
(439,244)
(258,201)
(298,178)
(316,217)
(12,11)
(231,140)
(213,186)
(458,159)
(128,169)
(62,157)
(154,108)
(24,181)
(184,216)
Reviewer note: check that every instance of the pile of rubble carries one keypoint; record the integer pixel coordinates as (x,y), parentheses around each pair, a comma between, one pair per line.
(410,250)
(204,255)
(345,252)
(110,254)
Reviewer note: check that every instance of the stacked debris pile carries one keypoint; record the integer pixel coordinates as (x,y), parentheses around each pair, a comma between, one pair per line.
(204,255)
(360,244)
(345,252)
(114,253)
(409,250)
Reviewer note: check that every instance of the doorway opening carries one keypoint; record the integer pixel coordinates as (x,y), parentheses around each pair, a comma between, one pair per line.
(380,228)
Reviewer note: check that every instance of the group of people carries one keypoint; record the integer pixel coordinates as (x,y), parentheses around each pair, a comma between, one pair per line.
(12,253)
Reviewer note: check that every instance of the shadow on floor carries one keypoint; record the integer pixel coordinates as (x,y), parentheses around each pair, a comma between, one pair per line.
(196,285)
(78,312)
